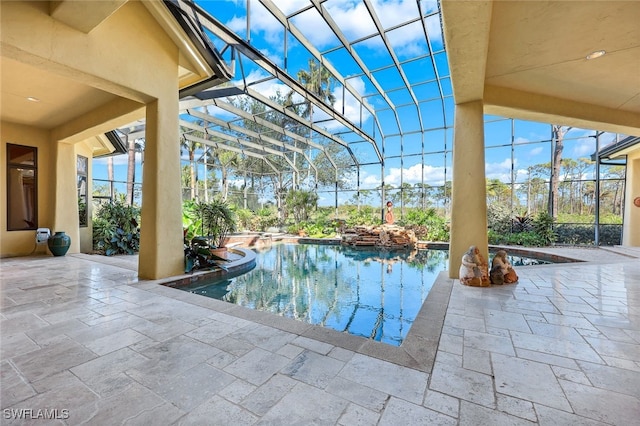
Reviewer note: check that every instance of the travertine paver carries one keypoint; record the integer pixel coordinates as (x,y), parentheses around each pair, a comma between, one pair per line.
(412,414)
(313,369)
(364,396)
(386,377)
(464,384)
(305,402)
(562,346)
(529,380)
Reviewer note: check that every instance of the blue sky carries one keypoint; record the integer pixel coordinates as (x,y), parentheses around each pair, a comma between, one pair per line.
(409,44)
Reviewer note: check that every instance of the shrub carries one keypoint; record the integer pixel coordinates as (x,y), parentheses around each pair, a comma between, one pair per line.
(265,218)
(527,239)
(574,233)
(365,216)
(427,224)
(522,223)
(115,229)
(499,218)
(301,203)
(543,226)
(610,235)
(581,234)
(245,219)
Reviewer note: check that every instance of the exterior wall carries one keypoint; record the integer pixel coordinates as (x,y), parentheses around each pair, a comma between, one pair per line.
(22,243)
(631,230)
(130,56)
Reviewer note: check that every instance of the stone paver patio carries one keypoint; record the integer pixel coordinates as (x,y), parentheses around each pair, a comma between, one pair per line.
(84,341)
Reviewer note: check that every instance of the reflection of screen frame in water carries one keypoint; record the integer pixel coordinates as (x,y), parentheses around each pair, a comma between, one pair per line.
(396,271)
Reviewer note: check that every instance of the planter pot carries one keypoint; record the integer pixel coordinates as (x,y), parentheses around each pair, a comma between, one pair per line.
(220,252)
(59,243)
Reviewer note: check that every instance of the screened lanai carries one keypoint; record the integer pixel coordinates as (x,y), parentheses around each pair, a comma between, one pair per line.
(328,107)
(353,100)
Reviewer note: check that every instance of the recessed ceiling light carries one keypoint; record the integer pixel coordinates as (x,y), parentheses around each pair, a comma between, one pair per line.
(32,99)
(596,54)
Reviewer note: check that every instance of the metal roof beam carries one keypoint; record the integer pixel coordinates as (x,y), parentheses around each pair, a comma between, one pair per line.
(277,107)
(242,130)
(218,145)
(378,24)
(284,20)
(229,37)
(243,142)
(354,55)
(194,103)
(249,133)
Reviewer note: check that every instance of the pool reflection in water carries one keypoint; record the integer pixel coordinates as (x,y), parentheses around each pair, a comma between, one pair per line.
(369,293)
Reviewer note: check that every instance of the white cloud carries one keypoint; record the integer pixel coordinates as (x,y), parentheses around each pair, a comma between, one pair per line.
(412,175)
(352,107)
(501,170)
(237,24)
(584,148)
(536,151)
(118,160)
(369,180)
(351,17)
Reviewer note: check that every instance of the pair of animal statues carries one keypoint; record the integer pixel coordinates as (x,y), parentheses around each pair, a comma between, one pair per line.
(474,270)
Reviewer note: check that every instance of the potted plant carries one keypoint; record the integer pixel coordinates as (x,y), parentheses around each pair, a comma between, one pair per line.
(207,227)
(218,221)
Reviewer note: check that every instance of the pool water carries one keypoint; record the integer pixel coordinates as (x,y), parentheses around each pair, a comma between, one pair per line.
(370,293)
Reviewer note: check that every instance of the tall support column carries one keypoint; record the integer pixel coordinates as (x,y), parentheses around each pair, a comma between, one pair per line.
(631,227)
(468,198)
(66,194)
(161,240)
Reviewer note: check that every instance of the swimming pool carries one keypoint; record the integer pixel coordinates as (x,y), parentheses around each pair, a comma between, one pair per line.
(370,293)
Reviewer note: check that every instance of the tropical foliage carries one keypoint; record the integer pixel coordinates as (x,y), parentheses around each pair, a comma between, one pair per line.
(300,203)
(213,221)
(115,228)
(427,224)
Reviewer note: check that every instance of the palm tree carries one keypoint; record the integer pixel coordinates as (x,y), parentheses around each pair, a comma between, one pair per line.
(191,147)
(319,81)
(227,160)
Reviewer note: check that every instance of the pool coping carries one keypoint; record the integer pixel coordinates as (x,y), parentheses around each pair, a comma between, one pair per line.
(417,350)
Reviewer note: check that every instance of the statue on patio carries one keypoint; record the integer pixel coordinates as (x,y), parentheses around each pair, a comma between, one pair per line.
(474,270)
(388,217)
(501,270)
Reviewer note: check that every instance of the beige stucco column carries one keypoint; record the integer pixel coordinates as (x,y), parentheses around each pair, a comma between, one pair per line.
(469,200)
(65,217)
(161,241)
(631,231)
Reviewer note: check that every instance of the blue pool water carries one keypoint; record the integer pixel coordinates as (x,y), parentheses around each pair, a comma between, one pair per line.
(369,293)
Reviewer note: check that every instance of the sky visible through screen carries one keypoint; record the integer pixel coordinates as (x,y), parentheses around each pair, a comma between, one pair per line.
(404,155)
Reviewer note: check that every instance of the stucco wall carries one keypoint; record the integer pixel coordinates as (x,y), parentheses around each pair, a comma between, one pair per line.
(20,243)
(128,55)
(631,231)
